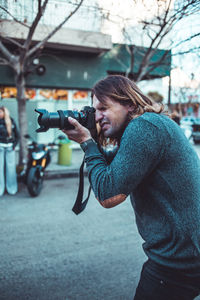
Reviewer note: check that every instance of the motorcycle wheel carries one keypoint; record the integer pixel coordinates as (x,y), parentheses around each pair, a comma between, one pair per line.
(34,181)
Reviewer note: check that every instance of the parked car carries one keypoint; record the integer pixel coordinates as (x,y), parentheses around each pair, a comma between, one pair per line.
(196,131)
(191,128)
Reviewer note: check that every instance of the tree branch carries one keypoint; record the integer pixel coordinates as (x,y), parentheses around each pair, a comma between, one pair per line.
(22,23)
(11,59)
(188,39)
(5,51)
(157,63)
(191,50)
(41,44)
(35,23)
(3,61)
(11,40)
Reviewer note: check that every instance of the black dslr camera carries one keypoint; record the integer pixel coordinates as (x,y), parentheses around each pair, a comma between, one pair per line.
(59,119)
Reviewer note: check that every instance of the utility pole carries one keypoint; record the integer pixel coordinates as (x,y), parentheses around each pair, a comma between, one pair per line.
(169,91)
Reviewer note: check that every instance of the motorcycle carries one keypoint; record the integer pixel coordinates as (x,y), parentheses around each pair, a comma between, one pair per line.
(38,160)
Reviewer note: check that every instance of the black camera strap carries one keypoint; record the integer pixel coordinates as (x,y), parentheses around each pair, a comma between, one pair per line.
(79,204)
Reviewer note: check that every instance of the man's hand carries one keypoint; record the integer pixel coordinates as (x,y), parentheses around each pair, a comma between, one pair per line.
(79,134)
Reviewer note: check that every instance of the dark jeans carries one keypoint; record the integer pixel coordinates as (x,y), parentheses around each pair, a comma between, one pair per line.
(161,283)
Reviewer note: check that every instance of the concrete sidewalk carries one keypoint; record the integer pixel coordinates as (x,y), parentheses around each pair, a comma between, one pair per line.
(54,170)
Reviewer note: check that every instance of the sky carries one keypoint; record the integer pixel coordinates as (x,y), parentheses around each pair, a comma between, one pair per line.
(190,62)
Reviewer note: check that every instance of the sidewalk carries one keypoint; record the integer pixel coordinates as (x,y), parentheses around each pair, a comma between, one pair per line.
(54,170)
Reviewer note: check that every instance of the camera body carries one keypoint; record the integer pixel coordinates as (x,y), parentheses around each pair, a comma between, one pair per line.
(59,119)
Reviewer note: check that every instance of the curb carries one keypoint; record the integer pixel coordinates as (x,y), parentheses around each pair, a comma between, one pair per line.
(63,174)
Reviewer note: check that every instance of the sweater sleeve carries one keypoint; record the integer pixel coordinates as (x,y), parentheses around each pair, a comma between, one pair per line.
(138,154)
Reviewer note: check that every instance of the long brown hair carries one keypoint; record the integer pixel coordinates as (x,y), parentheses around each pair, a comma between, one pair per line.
(121,89)
(7,119)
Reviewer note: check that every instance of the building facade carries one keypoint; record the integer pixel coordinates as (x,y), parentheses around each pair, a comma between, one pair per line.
(63,74)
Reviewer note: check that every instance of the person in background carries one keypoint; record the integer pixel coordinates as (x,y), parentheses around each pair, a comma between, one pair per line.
(9,137)
(157,166)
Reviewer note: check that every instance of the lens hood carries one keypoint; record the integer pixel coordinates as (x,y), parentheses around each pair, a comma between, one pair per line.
(43,119)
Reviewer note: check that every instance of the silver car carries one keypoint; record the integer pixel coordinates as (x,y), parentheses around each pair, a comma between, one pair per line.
(196,131)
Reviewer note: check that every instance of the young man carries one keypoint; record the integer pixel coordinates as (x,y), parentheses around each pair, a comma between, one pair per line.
(157,166)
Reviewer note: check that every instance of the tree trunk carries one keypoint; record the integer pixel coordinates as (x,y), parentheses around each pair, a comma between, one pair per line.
(22,118)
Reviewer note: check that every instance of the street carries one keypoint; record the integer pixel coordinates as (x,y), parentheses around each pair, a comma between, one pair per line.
(49,253)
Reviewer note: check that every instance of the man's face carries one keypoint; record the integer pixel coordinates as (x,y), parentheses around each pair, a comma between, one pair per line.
(111,116)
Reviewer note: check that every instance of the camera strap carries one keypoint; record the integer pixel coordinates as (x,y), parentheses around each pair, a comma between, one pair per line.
(79,204)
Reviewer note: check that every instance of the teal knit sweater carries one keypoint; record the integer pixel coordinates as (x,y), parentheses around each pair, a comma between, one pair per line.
(157,166)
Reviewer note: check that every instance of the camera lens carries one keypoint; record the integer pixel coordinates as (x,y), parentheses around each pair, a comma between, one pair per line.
(59,119)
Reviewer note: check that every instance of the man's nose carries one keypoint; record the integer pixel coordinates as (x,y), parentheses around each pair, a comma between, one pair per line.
(98,116)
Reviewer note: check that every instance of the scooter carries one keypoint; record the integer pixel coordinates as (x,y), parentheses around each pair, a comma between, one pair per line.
(38,160)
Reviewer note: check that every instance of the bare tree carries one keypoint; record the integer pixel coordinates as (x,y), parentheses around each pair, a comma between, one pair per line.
(19,54)
(154,27)
(161,27)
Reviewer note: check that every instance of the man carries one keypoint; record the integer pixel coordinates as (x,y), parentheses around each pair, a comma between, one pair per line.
(157,166)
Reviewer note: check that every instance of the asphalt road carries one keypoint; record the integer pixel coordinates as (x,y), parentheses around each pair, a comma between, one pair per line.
(49,253)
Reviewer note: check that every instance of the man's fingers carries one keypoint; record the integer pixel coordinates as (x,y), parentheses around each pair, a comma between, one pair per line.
(74,122)
(79,134)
